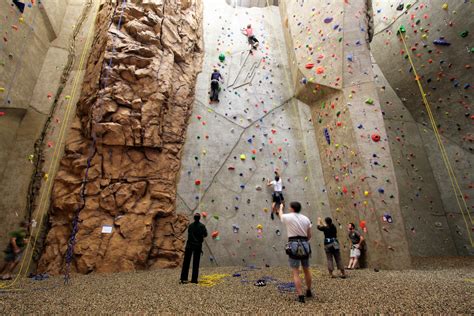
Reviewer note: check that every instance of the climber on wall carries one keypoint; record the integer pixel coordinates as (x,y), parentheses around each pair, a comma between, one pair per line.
(356,244)
(14,250)
(253,41)
(196,234)
(215,77)
(277,195)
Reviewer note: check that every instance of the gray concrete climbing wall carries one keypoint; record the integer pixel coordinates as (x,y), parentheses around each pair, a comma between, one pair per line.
(332,72)
(439,38)
(233,147)
(36,50)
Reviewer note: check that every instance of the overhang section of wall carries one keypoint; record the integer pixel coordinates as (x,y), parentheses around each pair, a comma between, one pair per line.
(385,247)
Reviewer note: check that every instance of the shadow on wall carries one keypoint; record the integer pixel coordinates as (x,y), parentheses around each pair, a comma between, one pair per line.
(253,3)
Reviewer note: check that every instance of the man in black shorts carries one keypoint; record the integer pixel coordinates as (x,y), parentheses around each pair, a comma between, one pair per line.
(277,195)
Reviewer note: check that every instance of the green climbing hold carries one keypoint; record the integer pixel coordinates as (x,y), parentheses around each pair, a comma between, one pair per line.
(402,29)
(472,50)
(464,34)
(369,101)
(222,57)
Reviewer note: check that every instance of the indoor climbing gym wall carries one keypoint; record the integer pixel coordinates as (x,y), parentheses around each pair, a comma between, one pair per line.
(433,39)
(234,147)
(40,50)
(114,194)
(332,71)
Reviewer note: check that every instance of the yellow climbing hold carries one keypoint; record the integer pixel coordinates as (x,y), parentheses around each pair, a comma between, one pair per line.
(2,89)
(243,157)
(366,193)
(445,6)
(259,226)
(68,97)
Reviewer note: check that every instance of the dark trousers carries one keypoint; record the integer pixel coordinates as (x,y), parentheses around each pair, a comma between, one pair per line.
(189,252)
(214,91)
(335,254)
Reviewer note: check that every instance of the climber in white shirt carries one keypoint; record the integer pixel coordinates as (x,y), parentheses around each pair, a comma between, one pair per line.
(277,195)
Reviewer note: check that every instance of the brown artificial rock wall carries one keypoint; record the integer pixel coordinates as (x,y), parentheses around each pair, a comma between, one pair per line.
(137,110)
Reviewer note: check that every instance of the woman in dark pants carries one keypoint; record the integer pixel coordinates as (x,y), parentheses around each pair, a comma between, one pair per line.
(331,245)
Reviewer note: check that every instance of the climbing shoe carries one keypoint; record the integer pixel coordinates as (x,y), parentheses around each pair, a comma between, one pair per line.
(309,293)
(301,298)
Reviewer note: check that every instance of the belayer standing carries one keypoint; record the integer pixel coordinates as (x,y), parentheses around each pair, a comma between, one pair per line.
(356,244)
(215,77)
(277,195)
(331,245)
(253,41)
(298,248)
(14,252)
(196,234)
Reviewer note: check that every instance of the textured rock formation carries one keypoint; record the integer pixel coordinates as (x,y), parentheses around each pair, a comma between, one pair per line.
(136,100)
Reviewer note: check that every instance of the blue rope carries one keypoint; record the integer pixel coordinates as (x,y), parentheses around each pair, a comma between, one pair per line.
(75,222)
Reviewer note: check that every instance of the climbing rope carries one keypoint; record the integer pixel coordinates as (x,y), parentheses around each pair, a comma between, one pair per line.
(458,194)
(43,203)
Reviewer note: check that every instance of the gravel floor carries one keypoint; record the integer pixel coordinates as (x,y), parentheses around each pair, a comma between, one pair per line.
(435,286)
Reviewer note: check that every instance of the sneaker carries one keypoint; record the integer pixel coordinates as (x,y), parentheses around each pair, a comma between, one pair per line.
(195,282)
(309,293)
(301,298)
(183,282)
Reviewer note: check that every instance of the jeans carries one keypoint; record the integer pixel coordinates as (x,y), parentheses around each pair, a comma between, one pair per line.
(332,253)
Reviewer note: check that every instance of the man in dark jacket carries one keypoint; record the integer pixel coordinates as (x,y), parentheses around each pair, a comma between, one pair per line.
(215,78)
(196,234)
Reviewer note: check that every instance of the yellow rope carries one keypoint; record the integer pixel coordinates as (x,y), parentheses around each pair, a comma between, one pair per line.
(53,165)
(452,176)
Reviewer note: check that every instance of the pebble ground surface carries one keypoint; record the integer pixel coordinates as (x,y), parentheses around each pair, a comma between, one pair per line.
(443,286)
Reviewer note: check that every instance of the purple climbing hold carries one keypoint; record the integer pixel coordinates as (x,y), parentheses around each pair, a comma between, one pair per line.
(441,42)
(328,20)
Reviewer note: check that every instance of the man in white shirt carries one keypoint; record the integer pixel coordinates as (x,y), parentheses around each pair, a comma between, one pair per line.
(277,195)
(298,248)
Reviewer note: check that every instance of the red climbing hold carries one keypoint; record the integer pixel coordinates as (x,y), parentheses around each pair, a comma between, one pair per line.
(2,113)
(376,137)
(320,70)
(197,182)
(204,214)
(309,65)
(215,234)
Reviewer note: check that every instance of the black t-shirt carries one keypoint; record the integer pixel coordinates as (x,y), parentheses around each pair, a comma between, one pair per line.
(196,234)
(354,237)
(329,231)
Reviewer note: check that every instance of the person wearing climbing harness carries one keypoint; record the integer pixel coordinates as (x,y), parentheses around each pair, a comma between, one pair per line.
(253,41)
(215,77)
(298,248)
(277,195)
(356,242)
(14,250)
(196,233)
(331,245)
